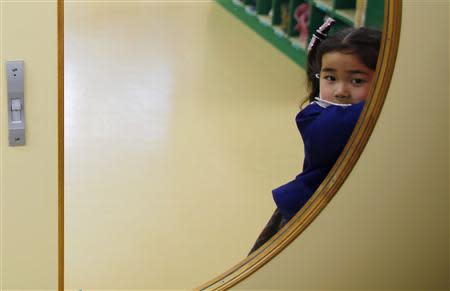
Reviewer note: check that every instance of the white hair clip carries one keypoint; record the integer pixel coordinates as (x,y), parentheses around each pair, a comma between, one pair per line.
(321,33)
(317,76)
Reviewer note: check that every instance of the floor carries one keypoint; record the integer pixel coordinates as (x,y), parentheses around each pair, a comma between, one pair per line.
(179,122)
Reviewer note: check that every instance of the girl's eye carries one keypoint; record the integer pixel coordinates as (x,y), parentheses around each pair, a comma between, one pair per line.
(358,81)
(329,78)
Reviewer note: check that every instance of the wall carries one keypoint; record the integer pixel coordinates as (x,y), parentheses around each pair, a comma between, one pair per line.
(29,174)
(387,228)
(193,169)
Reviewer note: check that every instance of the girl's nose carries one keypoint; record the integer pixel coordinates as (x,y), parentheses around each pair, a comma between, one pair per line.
(341,91)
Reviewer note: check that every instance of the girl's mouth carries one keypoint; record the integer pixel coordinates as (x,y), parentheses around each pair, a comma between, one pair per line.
(342,99)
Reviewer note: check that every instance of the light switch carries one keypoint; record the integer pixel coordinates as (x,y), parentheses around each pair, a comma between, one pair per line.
(16,105)
(15,82)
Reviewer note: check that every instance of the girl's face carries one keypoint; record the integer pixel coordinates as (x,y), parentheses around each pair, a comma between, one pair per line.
(344,78)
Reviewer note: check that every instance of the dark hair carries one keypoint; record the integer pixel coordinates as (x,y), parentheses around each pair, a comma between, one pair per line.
(363,42)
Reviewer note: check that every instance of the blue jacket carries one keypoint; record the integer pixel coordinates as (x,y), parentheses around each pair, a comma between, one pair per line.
(325,132)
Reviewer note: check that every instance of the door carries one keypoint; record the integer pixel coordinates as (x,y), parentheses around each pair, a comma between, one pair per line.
(29,173)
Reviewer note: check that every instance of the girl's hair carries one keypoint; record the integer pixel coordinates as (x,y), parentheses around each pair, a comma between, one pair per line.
(363,42)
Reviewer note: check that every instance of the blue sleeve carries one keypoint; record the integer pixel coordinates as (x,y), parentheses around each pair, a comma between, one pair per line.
(291,196)
(325,138)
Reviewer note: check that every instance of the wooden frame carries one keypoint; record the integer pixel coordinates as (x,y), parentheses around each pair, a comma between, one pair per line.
(60,12)
(324,193)
(343,166)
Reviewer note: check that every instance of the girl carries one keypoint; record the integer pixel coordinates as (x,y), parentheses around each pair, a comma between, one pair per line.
(340,70)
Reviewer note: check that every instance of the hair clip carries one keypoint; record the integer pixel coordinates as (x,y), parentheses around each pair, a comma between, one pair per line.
(321,33)
(317,75)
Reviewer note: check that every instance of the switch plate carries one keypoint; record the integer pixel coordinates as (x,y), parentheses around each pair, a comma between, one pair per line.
(16,104)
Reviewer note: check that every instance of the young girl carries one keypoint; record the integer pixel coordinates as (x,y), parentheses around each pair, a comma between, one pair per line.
(340,71)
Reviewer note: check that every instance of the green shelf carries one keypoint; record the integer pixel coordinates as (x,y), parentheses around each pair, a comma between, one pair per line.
(375,14)
(324,5)
(349,14)
(293,4)
(344,4)
(265,19)
(263,6)
(345,15)
(276,9)
(282,42)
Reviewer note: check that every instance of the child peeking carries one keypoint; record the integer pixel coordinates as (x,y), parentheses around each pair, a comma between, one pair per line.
(340,70)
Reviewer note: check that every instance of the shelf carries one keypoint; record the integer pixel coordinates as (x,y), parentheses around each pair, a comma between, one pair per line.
(238,3)
(374,15)
(295,41)
(346,15)
(263,6)
(345,4)
(250,10)
(293,4)
(265,19)
(324,5)
(339,25)
(274,35)
(276,10)
(279,31)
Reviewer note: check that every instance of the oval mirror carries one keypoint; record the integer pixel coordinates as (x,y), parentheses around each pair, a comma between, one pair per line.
(179,120)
